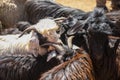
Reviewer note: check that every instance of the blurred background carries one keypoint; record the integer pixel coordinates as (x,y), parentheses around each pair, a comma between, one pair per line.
(85,5)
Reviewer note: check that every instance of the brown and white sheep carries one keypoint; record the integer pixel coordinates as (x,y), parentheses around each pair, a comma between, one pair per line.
(78,68)
(47,27)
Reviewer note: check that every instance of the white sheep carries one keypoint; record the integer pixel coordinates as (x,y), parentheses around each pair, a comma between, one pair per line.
(28,43)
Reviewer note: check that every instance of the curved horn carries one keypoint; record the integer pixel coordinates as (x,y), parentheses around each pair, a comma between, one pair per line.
(28,29)
(69,41)
(61,18)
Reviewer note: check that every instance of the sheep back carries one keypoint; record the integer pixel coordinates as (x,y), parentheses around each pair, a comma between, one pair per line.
(78,68)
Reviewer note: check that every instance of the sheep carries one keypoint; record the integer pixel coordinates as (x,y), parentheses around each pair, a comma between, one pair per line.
(29,43)
(25,67)
(105,58)
(78,68)
(37,10)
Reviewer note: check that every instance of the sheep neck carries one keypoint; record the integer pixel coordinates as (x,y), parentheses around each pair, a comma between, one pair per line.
(104,58)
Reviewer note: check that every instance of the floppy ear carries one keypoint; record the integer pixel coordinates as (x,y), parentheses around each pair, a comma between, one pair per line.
(33,40)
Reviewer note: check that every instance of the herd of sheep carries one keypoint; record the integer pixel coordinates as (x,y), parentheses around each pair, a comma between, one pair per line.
(44,40)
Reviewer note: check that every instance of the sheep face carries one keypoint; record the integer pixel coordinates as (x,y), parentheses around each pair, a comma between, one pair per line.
(51,35)
(48,28)
(98,43)
(33,45)
(99,25)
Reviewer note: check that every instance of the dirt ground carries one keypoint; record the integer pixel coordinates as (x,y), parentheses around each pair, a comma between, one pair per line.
(85,5)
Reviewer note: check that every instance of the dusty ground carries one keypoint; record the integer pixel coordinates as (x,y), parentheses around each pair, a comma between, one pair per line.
(86,5)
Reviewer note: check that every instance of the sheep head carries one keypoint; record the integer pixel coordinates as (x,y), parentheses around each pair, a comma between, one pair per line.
(98,29)
(64,52)
(47,27)
(34,46)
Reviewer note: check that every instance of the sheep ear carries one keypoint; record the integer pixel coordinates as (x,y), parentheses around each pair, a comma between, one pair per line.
(32,40)
(33,37)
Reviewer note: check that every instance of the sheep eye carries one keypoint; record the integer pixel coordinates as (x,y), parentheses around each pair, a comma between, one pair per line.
(58,31)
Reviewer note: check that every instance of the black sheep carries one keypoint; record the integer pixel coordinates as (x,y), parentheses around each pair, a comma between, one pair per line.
(37,10)
(78,68)
(99,31)
(24,67)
